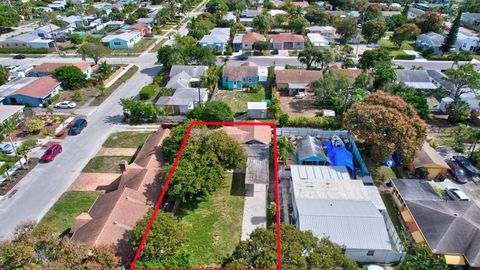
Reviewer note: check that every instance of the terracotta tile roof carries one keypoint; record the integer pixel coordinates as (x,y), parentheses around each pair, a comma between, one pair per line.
(281,38)
(237,73)
(50,67)
(301,4)
(297,76)
(252,38)
(40,88)
(249,134)
(139,26)
(117,212)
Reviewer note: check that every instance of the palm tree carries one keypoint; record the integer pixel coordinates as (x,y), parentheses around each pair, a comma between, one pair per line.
(285,149)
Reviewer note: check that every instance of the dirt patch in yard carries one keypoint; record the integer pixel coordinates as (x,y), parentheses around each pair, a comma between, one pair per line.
(299,106)
(117,152)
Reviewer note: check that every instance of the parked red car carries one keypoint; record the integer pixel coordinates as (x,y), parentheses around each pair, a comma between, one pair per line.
(51,152)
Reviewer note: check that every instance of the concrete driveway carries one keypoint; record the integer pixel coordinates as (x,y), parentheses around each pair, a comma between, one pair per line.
(471,189)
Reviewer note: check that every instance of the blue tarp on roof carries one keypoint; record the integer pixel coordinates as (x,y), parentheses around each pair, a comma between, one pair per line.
(339,155)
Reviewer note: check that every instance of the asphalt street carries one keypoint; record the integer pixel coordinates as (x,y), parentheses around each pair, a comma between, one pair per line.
(43,186)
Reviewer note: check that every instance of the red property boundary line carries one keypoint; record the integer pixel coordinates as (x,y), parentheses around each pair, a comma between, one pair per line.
(172,170)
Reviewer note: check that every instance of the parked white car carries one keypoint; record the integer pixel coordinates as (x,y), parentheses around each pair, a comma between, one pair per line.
(6,148)
(456,194)
(65,105)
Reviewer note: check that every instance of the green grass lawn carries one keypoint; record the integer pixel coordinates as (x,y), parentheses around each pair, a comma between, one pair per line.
(477,57)
(392,210)
(105,164)
(61,216)
(393,49)
(158,46)
(214,228)
(238,99)
(126,139)
(127,75)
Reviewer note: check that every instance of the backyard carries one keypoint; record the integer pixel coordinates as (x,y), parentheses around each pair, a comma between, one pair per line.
(214,226)
(393,49)
(238,99)
(61,216)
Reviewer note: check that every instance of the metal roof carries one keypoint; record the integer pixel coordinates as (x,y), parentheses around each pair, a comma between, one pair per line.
(256,105)
(355,224)
(307,172)
(182,97)
(311,148)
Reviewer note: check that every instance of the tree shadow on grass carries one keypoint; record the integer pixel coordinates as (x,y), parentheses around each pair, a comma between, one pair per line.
(238,184)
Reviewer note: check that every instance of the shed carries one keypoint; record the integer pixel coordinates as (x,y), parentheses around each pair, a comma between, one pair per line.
(257,110)
(310,152)
(429,159)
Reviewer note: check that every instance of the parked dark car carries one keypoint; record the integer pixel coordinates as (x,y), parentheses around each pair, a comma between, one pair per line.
(465,163)
(51,153)
(274,52)
(78,126)
(20,56)
(5,30)
(242,57)
(457,172)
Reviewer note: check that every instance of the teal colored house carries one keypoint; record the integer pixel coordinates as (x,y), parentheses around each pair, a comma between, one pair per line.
(123,41)
(239,77)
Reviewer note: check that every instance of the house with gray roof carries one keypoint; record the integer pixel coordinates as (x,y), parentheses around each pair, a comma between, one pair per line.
(217,39)
(450,229)
(229,17)
(430,40)
(185,80)
(327,202)
(310,152)
(470,20)
(413,13)
(49,31)
(250,13)
(416,79)
(27,41)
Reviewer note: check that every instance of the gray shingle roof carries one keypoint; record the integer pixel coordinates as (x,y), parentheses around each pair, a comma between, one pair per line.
(182,97)
(23,38)
(413,189)
(440,78)
(450,227)
(179,80)
(434,38)
(193,71)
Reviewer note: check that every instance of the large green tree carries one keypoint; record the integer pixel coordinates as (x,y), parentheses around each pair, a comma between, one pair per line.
(212,111)
(71,77)
(40,247)
(403,33)
(138,111)
(214,6)
(373,12)
(8,16)
(387,125)
(163,248)
(430,21)
(421,259)
(347,28)
(383,73)
(4,74)
(451,37)
(260,251)
(94,51)
(185,55)
(298,25)
(262,24)
(373,30)
(464,79)
(331,92)
(410,95)
(370,58)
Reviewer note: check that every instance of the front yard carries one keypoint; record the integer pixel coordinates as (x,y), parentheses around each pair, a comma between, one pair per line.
(214,227)
(62,215)
(238,99)
(393,49)
(105,164)
(108,91)
(126,139)
(140,47)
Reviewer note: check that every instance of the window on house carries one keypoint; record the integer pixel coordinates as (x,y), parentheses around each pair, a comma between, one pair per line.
(370,252)
(116,43)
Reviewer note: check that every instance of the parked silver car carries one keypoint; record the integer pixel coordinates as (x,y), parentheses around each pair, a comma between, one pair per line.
(456,194)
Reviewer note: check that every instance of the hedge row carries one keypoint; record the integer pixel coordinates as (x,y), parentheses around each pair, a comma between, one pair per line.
(314,122)
(448,58)
(23,50)
(405,57)
(147,92)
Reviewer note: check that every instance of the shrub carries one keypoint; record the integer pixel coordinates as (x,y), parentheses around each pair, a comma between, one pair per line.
(147,92)
(34,125)
(166,92)
(421,173)
(77,96)
(23,50)
(314,122)
(432,143)
(271,212)
(405,57)
(283,120)
(71,77)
